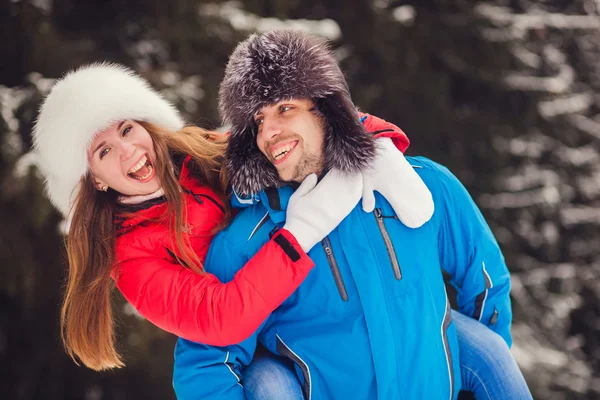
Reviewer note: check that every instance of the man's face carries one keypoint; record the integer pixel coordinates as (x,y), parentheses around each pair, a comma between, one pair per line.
(291,135)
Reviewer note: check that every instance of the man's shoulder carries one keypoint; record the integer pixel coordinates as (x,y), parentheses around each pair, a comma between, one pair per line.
(439,179)
(429,170)
(426,166)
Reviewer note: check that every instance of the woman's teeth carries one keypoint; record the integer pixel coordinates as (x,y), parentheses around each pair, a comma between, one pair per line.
(141,178)
(142,167)
(139,165)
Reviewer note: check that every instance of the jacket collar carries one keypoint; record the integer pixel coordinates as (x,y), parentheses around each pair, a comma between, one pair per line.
(275,200)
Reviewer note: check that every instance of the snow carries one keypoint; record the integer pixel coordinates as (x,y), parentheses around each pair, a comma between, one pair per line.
(566,105)
(24,165)
(405,15)
(242,20)
(533,197)
(503,16)
(530,353)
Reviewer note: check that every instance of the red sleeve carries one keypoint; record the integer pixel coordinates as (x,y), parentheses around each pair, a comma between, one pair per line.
(382,128)
(201,308)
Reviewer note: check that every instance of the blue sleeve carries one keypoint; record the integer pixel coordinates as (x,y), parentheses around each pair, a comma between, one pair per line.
(210,372)
(470,254)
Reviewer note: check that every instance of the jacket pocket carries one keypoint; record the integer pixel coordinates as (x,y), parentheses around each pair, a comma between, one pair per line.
(494,317)
(335,270)
(284,350)
(482,297)
(388,243)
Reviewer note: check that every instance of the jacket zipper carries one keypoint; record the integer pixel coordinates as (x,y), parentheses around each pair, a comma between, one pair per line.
(213,200)
(335,270)
(199,200)
(445,324)
(388,244)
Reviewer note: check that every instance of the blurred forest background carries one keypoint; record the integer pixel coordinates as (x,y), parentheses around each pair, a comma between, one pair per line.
(506,93)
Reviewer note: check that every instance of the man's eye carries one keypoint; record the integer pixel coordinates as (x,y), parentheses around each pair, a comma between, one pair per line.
(285,108)
(104,152)
(259,121)
(126,131)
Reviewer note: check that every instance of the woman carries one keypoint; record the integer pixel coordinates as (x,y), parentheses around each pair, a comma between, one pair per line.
(144,196)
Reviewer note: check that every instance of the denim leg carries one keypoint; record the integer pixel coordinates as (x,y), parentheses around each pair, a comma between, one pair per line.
(486,364)
(269,377)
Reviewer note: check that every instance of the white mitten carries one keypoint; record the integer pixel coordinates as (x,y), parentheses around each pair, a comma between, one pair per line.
(396,180)
(314,211)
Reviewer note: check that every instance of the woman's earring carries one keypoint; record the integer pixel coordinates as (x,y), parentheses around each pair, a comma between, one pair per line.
(104,188)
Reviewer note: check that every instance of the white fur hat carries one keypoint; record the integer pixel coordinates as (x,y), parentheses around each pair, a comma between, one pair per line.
(82,104)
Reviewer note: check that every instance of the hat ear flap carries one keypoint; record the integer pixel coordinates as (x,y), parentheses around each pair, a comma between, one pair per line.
(348,146)
(248,169)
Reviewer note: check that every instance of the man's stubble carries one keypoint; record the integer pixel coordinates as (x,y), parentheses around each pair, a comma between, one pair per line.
(309,164)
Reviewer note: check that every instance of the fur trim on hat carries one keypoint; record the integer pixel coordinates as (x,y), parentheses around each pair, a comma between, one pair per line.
(280,65)
(82,104)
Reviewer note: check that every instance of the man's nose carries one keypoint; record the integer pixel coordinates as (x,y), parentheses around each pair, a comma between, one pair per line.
(127,149)
(270,128)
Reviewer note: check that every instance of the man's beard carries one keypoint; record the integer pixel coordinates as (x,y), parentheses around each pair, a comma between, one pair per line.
(310,163)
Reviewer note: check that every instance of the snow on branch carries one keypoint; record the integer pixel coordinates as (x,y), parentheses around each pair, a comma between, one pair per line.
(589,185)
(548,195)
(502,16)
(509,26)
(585,125)
(578,215)
(559,83)
(566,105)
(556,84)
(525,56)
(241,20)
(530,177)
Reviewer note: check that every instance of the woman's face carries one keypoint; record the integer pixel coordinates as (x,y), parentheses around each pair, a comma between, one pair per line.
(122,157)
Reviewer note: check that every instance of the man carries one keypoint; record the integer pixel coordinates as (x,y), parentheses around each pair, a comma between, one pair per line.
(372,320)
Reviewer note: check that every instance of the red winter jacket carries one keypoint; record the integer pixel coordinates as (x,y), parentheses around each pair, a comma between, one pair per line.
(193,306)
(199,307)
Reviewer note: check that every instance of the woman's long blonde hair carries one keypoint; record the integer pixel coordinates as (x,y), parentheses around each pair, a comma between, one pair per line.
(87,323)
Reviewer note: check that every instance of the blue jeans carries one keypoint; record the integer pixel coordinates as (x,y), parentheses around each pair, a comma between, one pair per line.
(488,370)
(486,366)
(270,377)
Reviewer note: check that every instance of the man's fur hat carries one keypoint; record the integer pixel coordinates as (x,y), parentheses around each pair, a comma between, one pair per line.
(82,104)
(281,65)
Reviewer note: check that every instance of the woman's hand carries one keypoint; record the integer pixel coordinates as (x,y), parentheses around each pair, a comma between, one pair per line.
(315,210)
(396,180)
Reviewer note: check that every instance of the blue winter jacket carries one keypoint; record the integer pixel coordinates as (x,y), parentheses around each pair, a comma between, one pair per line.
(372,320)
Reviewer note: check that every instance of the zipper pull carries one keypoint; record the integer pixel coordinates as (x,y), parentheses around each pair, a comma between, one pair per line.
(494,318)
(197,198)
(326,247)
(381,217)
